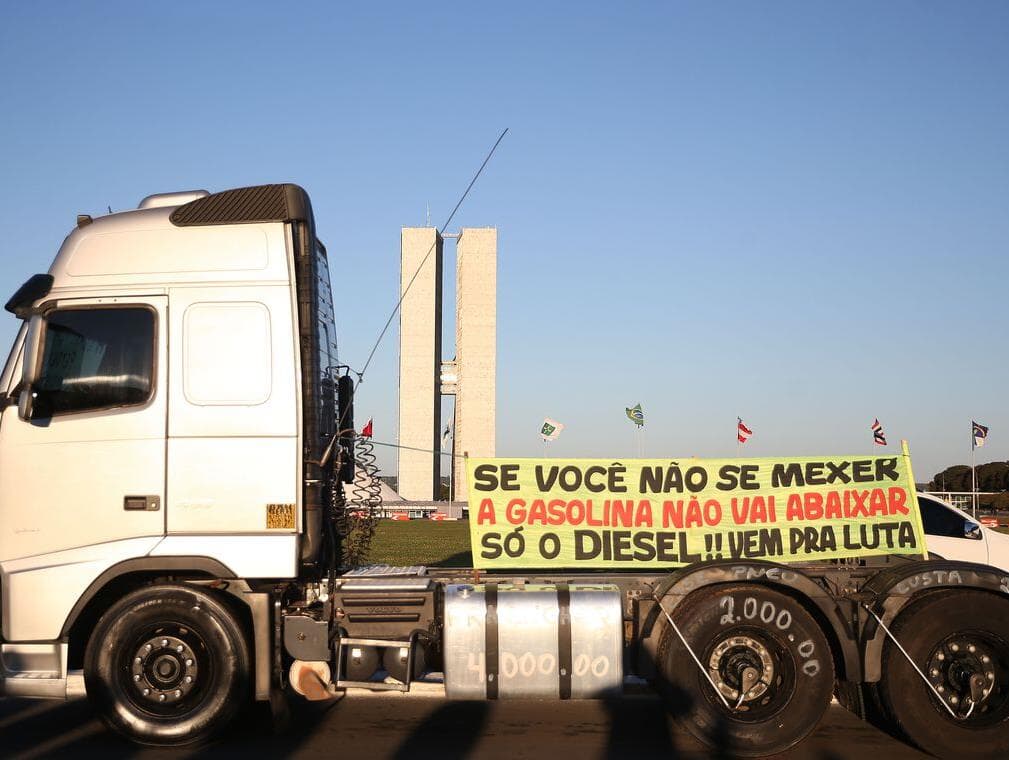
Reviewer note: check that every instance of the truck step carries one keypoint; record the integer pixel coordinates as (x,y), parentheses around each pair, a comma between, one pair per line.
(43,685)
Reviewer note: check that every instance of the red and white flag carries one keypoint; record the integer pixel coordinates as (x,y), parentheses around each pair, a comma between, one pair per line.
(742,432)
(877,433)
(366,431)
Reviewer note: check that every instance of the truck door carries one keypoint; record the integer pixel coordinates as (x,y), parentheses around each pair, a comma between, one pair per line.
(89,466)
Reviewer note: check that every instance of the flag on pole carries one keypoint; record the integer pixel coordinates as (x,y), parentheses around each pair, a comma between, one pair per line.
(446,436)
(877,433)
(366,431)
(635,415)
(980,433)
(742,432)
(551,429)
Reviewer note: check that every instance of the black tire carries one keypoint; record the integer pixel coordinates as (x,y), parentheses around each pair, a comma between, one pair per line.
(181,645)
(733,629)
(934,626)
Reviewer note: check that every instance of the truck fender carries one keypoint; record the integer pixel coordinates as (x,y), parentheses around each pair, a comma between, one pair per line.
(205,566)
(891,591)
(837,615)
(257,605)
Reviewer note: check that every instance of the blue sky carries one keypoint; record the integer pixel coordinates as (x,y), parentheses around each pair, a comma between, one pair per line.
(793,212)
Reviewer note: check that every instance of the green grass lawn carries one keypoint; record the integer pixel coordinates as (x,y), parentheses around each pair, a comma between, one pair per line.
(421,542)
(431,543)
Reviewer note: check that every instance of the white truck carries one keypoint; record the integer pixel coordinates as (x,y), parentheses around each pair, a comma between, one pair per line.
(174,436)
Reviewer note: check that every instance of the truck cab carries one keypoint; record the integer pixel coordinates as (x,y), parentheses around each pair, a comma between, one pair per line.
(165,408)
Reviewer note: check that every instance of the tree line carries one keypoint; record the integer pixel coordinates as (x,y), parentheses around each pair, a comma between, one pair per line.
(993,476)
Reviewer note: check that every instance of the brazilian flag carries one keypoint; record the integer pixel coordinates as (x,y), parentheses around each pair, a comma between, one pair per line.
(635,415)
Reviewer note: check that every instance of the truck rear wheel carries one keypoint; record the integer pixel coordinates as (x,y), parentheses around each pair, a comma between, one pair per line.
(960,642)
(167,665)
(767,657)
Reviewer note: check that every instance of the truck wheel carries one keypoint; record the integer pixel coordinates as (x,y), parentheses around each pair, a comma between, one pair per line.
(167,665)
(960,641)
(765,654)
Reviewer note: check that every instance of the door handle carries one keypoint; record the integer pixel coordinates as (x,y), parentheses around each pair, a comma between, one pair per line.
(141,503)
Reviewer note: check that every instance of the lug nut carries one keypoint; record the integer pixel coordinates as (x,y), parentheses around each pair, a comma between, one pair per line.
(985,658)
(178,692)
(162,697)
(189,679)
(147,692)
(148,647)
(138,660)
(972,648)
(940,656)
(955,647)
(953,699)
(940,688)
(991,675)
(178,648)
(136,678)
(164,643)
(188,663)
(935,671)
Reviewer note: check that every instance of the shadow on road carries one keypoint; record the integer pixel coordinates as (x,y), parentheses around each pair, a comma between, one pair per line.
(375,727)
(450,733)
(44,728)
(634,724)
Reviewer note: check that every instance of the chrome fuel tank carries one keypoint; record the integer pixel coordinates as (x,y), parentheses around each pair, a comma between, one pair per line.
(547,641)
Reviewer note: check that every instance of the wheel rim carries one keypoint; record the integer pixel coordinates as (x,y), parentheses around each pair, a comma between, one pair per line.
(970,672)
(166,669)
(752,671)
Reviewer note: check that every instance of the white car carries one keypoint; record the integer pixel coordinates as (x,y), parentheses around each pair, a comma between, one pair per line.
(954,534)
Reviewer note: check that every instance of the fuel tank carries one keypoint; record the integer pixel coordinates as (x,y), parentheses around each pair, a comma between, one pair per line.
(506,641)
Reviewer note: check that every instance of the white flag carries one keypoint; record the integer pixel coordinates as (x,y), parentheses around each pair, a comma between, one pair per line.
(551,429)
(446,436)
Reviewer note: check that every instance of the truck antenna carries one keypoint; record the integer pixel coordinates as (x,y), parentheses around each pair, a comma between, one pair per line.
(423,261)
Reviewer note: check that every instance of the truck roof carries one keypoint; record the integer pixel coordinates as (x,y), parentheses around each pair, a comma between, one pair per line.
(192,236)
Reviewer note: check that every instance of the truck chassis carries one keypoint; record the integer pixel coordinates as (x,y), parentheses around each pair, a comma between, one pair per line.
(743,652)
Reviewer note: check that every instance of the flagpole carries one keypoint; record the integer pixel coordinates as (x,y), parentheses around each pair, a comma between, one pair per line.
(973,473)
(738,418)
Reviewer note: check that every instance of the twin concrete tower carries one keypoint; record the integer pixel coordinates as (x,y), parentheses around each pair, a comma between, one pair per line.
(424,377)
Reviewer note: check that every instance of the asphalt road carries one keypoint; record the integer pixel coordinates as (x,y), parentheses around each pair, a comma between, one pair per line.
(401,727)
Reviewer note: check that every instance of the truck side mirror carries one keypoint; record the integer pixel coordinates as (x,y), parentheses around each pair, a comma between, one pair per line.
(32,358)
(345,417)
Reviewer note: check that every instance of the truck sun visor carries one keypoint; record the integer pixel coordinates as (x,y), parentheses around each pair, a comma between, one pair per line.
(246,205)
(37,286)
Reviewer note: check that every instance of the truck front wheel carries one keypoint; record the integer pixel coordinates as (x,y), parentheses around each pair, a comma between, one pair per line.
(768,671)
(960,643)
(167,665)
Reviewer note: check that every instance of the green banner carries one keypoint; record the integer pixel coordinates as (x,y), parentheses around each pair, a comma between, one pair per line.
(597,513)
